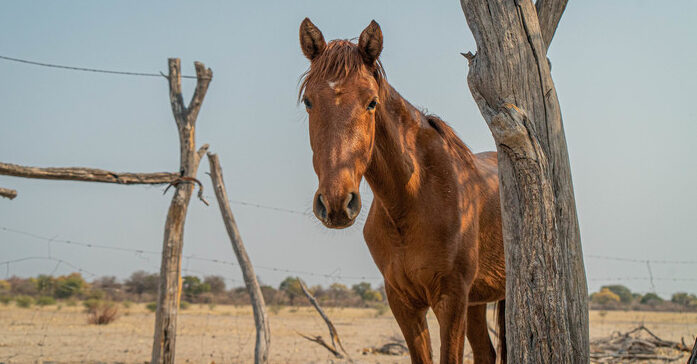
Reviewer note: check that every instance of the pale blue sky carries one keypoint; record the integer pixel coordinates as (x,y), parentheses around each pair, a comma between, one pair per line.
(624,70)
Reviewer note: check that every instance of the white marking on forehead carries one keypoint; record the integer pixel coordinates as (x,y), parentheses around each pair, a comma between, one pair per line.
(332,84)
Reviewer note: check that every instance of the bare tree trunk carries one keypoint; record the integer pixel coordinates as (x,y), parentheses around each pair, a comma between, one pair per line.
(170,270)
(510,80)
(261,351)
(8,193)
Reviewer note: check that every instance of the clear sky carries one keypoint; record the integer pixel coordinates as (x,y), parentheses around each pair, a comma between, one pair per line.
(624,71)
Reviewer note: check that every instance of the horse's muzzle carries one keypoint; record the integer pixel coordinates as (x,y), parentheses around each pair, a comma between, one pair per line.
(337,213)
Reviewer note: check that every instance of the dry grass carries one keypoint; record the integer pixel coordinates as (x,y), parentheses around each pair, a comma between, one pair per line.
(103,313)
(226,334)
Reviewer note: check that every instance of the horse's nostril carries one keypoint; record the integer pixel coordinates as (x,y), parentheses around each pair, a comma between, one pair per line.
(353,205)
(320,207)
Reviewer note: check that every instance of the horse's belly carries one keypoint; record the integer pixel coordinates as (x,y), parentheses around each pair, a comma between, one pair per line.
(485,290)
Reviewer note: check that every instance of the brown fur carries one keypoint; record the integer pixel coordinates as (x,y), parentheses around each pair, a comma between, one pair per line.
(434,228)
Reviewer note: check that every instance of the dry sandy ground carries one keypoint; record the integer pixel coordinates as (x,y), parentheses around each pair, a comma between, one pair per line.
(225,334)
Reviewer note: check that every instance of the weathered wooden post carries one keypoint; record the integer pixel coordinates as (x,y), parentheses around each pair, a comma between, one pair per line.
(170,270)
(261,350)
(511,82)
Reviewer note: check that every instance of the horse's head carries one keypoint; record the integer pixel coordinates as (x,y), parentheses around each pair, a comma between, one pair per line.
(341,92)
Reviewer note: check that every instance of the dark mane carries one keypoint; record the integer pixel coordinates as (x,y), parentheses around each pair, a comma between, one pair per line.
(340,59)
(448,134)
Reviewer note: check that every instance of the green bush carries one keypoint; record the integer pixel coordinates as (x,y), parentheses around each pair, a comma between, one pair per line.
(605,296)
(24,301)
(69,286)
(71,302)
(651,299)
(152,306)
(91,304)
(5,300)
(621,291)
(183,305)
(45,301)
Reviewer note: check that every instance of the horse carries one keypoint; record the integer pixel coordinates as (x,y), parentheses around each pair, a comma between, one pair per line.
(434,226)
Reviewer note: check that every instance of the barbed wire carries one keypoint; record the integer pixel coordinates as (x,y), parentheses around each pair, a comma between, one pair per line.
(49,241)
(643,261)
(85,69)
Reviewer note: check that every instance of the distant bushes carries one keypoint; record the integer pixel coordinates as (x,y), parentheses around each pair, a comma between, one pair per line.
(619,297)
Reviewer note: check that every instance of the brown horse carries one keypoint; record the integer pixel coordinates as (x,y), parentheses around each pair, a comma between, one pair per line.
(434,228)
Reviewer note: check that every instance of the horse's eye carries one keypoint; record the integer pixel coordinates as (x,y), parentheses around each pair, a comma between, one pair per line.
(307,103)
(372,105)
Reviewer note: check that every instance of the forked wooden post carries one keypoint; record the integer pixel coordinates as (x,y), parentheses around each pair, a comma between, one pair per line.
(261,351)
(169,291)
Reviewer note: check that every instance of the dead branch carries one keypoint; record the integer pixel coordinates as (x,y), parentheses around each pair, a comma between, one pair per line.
(693,355)
(332,330)
(319,340)
(637,344)
(263,341)
(549,14)
(189,180)
(391,348)
(87,174)
(8,193)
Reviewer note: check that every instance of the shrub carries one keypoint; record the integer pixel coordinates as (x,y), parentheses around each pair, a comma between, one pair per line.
(24,301)
(381,309)
(71,302)
(5,300)
(683,299)
(142,282)
(103,313)
(621,291)
(604,297)
(91,304)
(651,299)
(69,286)
(152,306)
(182,305)
(45,301)
(275,309)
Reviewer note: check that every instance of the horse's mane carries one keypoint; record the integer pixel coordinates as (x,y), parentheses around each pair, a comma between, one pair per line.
(341,59)
(448,134)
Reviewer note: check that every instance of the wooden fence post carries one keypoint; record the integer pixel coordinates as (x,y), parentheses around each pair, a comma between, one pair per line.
(169,291)
(261,351)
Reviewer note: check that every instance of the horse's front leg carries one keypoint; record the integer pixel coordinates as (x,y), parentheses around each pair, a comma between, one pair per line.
(451,312)
(412,322)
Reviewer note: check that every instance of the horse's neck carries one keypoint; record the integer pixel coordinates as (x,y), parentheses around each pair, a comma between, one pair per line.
(395,169)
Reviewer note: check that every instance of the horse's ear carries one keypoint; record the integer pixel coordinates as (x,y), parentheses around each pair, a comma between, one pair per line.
(311,40)
(370,42)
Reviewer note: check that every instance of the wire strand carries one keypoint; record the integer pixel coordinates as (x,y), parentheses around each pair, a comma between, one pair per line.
(85,69)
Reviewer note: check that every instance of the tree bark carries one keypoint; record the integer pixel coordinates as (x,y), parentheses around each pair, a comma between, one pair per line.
(263,341)
(87,174)
(510,80)
(169,292)
(8,193)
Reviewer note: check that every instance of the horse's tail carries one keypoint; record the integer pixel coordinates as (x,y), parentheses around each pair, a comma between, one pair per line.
(501,328)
